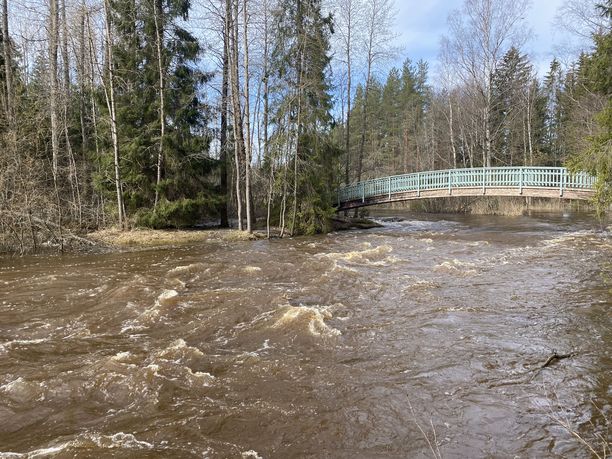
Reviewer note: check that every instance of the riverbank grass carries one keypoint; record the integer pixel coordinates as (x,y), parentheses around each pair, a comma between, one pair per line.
(154,238)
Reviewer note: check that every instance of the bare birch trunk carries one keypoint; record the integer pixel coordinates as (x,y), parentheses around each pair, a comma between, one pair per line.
(8,71)
(110,100)
(232,15)
(247,121)
(223,135)
(487,123)
(53,99)
(529,136)
(347,139)
(451,133)
(266,114)
(157,16)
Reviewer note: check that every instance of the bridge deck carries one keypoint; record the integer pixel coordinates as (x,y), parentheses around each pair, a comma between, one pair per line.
(544,182)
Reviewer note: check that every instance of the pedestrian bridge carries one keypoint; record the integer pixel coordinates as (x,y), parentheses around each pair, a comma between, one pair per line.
(540,182)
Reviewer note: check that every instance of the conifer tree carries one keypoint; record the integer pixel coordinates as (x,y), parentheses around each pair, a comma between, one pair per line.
(596,75)
(161,121)
(301,61)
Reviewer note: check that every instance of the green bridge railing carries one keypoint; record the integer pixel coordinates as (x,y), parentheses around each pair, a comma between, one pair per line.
(483,178)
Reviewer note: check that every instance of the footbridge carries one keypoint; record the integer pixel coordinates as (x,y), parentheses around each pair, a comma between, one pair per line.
(540,182)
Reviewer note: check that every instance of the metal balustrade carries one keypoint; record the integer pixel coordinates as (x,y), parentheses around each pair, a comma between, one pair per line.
(519,178)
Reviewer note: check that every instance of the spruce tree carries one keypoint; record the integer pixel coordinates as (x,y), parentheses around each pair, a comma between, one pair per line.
(301,56)
(151,72)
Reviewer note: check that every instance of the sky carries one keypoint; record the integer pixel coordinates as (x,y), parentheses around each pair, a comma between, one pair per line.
(421,23)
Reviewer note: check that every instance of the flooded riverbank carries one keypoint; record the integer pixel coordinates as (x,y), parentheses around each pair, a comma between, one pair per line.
(351,345)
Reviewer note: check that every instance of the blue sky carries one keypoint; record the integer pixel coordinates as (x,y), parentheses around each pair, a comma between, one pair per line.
(421,23)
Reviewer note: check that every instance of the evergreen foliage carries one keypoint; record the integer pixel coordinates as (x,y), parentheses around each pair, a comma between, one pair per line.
(596,75)
(186,163)
(302,119)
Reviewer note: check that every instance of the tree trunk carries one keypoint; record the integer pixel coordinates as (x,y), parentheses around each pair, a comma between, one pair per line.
(529,136)
(298,131)
(8,71)
(236,109)
(65,55)
(347,139)
(487,123)
(110,99)
(223,135)
(159,33)
(266,115)
(247,121)
(53,99)
(82,76)
(451,133)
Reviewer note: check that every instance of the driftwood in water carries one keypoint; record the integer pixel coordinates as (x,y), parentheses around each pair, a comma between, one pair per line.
(553,358)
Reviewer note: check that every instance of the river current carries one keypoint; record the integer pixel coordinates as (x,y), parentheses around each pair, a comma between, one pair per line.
(429,337)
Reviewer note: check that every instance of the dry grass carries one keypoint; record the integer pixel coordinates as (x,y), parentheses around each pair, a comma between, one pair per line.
(496,206)
(493,205)
(155,238)
(593,435)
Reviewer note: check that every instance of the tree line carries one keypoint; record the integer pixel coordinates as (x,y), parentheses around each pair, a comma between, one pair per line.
(489,108)
(169,113)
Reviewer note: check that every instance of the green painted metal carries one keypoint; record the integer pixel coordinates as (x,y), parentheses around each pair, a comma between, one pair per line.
(491,177)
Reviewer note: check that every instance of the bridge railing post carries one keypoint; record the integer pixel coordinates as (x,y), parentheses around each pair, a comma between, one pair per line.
(484,179)
(561,180)
(418,184)
(450,180)
(521,180)
(362,192)
(389,187)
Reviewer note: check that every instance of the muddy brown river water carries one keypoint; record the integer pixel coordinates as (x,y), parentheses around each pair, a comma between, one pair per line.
(422,338)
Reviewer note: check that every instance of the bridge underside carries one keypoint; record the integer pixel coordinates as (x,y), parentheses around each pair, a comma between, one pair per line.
(468,192)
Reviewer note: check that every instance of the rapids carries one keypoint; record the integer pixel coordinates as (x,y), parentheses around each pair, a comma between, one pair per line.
(425,337)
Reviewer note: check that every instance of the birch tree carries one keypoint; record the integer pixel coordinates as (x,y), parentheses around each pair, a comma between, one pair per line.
(479,36)
(378,20)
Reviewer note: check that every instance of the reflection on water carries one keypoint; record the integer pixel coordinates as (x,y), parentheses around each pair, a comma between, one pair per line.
(342,346)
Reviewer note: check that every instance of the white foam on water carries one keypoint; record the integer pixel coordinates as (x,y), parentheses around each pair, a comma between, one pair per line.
(251,269)
(119,440)
(200,378)
(123,357)
(595,239)
(456,267)
(377,256)
(178,351)
(4,347)
(167,297)
(310,318)
(188,269)
(20,390)
(421,285)
(131,326)
(165,300)
(251,454)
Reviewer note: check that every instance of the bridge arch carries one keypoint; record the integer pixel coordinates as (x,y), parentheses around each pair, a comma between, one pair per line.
(541,182)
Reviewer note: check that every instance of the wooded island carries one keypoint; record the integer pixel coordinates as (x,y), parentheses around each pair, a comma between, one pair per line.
(170,113)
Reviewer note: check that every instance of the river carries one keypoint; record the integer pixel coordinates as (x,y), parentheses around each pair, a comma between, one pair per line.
(425,338)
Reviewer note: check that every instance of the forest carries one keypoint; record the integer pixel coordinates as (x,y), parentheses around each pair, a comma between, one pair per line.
(250,113)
